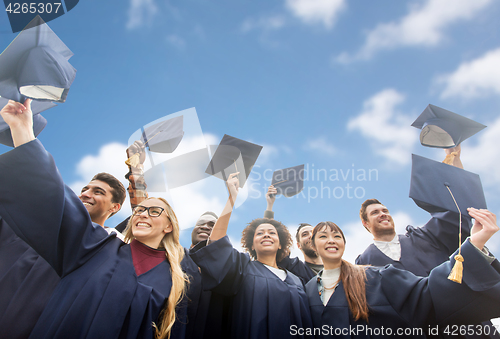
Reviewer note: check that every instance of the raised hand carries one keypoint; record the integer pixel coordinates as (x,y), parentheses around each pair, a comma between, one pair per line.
(485,226)
(20,120)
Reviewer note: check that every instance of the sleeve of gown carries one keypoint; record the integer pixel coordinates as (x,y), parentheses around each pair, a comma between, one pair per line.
(44,212)
(442,230)
(437,299)
(222,267)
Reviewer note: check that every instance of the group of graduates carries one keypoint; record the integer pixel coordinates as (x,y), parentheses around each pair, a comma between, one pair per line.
(64,275)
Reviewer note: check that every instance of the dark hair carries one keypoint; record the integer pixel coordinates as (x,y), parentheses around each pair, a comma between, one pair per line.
(118,192)
(298,229)
(353,277)
(210,213)
(285,238)
(362,211)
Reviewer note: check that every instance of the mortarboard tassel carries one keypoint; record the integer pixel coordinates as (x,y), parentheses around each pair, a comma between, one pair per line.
(133,161)
(457,270)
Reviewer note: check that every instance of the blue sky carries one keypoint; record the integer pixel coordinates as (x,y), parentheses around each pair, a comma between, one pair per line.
(326,83)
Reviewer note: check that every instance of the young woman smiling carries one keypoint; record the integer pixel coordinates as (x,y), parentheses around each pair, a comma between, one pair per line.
(266,300)
(388,301)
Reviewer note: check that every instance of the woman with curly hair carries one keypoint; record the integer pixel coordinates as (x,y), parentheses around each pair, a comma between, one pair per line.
(353,301)
(267,301)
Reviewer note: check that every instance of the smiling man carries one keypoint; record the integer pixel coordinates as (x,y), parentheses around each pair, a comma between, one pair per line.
(26,279)
(103,197)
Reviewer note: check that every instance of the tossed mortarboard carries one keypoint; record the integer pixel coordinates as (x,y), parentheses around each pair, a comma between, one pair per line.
(438,187)
(289,181)
(161,137)
(165,136)
(35,65)
(233,155)
(444,129)
(430,181)
(39,122)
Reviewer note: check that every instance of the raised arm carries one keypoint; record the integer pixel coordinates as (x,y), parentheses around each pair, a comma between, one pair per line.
(20,120)
(220,227)
(35,202)
(270,198)
(137,185)
(476,299)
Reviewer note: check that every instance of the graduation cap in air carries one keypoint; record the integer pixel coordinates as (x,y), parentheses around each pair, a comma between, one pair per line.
(444,129)
(161,137)
(438,187)
(289,181)
(165,136)
(233,155)
(35,65)
(39,122)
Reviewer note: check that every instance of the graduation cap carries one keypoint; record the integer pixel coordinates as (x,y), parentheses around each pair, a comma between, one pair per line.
(35,65)
(438,187)
(165,136)
(289,181)
(233,155)
(444,129)
(39,122)
(162,137)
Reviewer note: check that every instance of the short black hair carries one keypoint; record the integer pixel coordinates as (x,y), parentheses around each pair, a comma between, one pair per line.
(118,192)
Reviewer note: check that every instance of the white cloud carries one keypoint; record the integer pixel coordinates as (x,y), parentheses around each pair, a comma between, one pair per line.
(111,159)
(484,158)
(320,145)
(176,41)
(424,25)
(140,11)
(475,78)
(265,23)
(388,130)
(323,12)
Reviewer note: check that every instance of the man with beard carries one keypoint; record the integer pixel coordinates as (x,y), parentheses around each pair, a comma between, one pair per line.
(312,262)
(421,248)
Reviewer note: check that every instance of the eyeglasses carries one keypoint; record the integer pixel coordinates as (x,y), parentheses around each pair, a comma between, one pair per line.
(153,211)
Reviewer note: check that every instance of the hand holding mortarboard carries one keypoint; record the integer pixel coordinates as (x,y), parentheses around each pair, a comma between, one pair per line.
(20,120)
(136,154)
(453,157)
(485,225)
(271,197)
(233,185)
(161,137)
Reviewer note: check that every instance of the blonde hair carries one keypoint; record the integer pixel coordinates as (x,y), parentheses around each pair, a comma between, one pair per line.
(175,253)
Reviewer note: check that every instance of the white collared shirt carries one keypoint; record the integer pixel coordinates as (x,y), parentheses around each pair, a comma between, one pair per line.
(392,248)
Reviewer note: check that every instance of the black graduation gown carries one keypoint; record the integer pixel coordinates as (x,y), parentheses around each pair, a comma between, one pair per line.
(26,284)
(207,311)
(99,295)
(422,248)
(263,306)
(399,300)
(297,267)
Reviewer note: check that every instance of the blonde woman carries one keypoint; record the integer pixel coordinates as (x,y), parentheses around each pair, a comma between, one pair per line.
(108,289)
